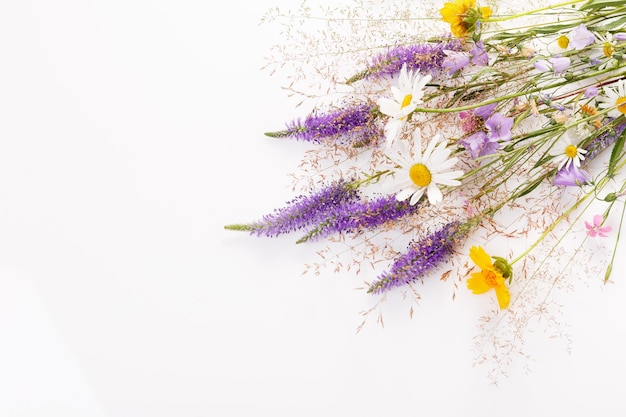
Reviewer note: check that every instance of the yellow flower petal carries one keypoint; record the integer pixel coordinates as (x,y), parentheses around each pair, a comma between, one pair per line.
(485,12)
(504,296)
(480,257)
(477,283)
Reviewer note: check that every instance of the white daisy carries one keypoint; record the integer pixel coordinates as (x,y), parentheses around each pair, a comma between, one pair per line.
(614,98)
(601,53)
(420,173)
(405,99)
(566,153)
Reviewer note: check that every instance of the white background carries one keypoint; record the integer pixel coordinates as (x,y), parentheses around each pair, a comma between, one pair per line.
(131,132)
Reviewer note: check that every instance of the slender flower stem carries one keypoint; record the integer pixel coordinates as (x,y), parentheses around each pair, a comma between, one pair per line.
(609,268)
(515,95)
(531,12)
(564,215)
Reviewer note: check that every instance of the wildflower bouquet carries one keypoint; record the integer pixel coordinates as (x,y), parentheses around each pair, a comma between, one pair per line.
(475,152)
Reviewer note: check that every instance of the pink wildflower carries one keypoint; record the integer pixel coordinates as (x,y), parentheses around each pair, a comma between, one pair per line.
(596,228)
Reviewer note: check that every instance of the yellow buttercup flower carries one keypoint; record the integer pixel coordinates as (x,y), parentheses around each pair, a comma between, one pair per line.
(462,16)
(491,276)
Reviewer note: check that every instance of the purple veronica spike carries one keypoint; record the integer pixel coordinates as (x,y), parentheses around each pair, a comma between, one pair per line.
(354,123)
(420,258)
(303,211)
(427,58)
(603,141)
(354,215)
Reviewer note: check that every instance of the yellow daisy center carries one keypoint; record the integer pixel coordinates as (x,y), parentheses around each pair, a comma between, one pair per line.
(420,175)
(608,49)
(571,151)
(621,105)
(406,100)
(563,41)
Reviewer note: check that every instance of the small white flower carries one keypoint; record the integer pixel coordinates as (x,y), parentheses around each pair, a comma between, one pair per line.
(566,153)
(405,99)
(420,173)
(614,98)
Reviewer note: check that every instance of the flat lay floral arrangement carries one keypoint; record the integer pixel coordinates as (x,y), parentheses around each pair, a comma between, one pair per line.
(470,144)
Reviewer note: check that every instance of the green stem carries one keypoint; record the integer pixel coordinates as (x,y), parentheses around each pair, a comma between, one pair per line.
(609,268)
(530,12)
(239,227)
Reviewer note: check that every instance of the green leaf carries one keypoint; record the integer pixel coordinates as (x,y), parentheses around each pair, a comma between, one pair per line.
(616,153)
(595,5)
(531,187)
(549,29)
(610,25)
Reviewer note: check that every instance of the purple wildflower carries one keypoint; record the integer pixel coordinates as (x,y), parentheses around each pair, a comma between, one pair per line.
(499,127)
(303,211)
(455,61)
(591,91)
(581,37)
(356,215)
(479,54)
(542,65)
(420,258)
(354,122)
(490,128)
(477,144)
(427,58)
(571,176)
(485,111)
(560,64)
(556,64)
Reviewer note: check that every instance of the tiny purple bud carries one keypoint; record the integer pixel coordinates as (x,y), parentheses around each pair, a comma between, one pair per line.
(542,65)
(591,91)
(620,37)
